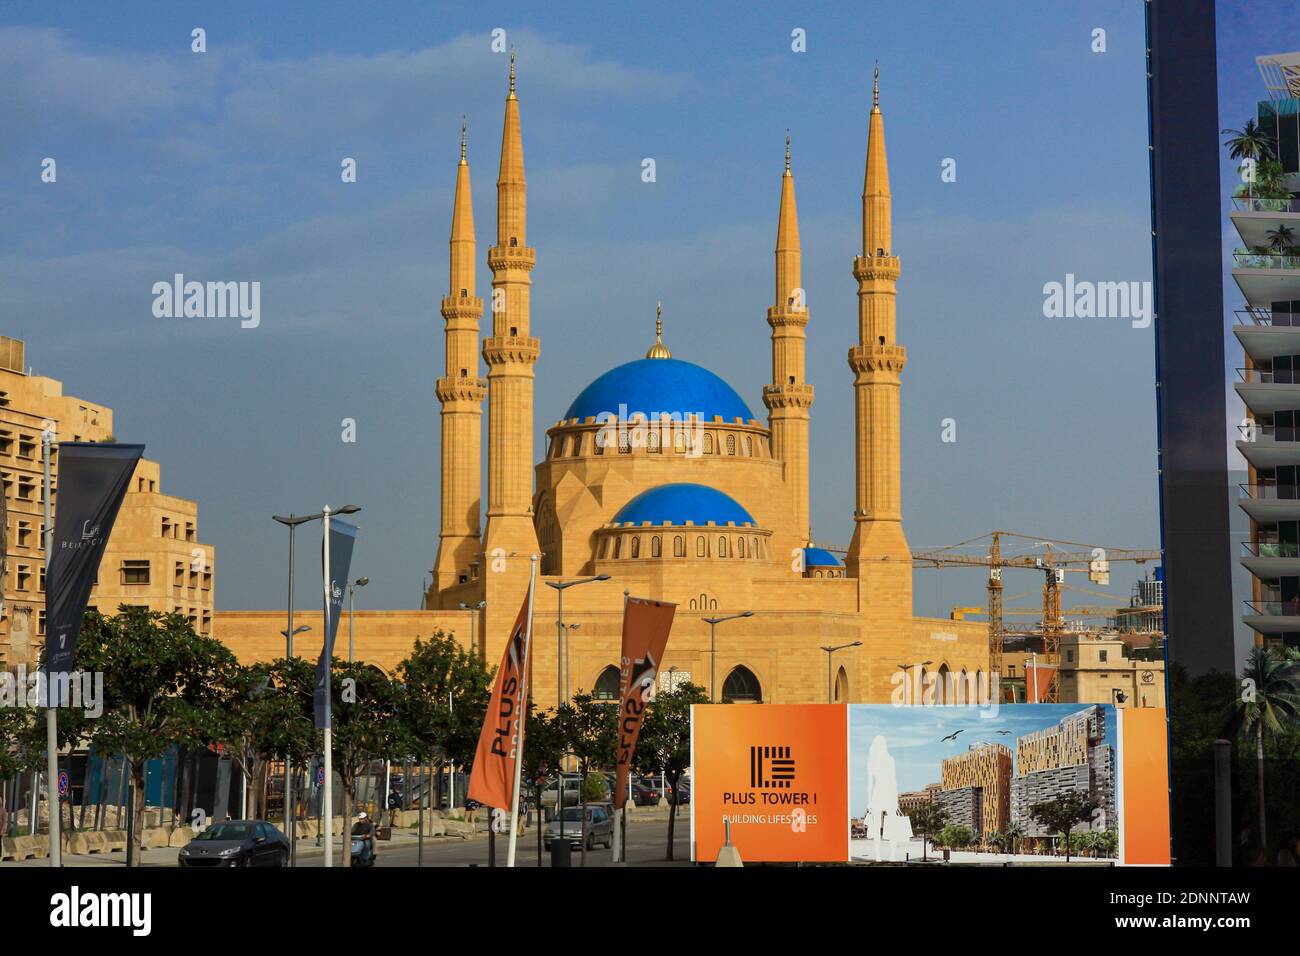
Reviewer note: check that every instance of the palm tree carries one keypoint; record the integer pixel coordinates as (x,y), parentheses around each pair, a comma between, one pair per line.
(1267,702)
(929,818)
(1281,239)
(1249,142)
(1014,833)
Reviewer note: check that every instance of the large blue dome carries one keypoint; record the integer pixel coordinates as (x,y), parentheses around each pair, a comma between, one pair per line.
(651,386)
(683,502)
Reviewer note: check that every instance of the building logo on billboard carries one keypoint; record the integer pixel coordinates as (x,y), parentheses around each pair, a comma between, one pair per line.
(770,768)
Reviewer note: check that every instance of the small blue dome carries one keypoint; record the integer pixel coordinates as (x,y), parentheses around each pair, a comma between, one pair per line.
(820,558)
(680,503)
(651,386)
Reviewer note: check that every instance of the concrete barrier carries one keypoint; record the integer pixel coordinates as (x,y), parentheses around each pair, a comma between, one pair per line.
(114,840)
(153,837)
(180,836)
(95,841)
(9,848)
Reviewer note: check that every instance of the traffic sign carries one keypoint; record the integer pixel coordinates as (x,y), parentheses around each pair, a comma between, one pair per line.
(64,784)
(320,776)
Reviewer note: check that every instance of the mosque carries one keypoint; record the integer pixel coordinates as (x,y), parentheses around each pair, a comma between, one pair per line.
(662,481)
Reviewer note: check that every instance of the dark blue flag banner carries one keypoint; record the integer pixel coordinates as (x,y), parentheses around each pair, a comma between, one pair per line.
(342,537)
(92,481)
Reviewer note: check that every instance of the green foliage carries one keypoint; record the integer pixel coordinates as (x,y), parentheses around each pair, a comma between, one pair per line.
(593,787)
(445,694)
(22,740)
(956,836)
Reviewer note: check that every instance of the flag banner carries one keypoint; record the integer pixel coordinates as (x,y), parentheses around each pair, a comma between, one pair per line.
(492,779)
(342,538)
(646,625)
(93,479)
(1038,682)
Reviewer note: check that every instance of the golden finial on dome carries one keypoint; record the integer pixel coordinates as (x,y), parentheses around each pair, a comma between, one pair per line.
(875,87)
(659,350)
(787,150)
(464,125)
(512,71)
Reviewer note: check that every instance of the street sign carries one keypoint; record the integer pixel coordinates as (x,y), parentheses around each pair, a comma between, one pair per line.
(320,776)
(64,784)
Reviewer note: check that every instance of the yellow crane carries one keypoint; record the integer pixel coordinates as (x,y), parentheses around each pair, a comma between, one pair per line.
(1053,563)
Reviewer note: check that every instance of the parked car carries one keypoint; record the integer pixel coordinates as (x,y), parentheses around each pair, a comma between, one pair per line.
(681,794)
(600,827)
(237,843)
(644,795)
(572,793)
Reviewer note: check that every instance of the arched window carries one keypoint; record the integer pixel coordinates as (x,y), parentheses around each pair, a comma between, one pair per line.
(755,551)
(961,695)
(679,547)
(636,546)
(749,446)
(656,547)
(941,689)
(742,687)
(731,444)
(708,443)
(607,684)
(841,686)
(701,550)
(604,547)
(624,442)
(722,547)
(652,440)
(740,547)
(600,444)
(679,442)
(618,547)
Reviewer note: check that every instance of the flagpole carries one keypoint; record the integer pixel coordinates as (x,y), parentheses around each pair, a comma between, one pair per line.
(327,798)
(51,711)
(521,718)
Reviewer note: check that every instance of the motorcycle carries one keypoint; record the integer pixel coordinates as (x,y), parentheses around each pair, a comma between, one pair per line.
(358,854)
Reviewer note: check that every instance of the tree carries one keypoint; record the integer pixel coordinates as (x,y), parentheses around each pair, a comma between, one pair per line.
(665,742)
(22,746)
(1266,704)
(163,685)
(445,692)
(956,836)
(365,726)
(1013,834)
(1063,813)
(593,733)
(928,819)
(246,723)
(1249,142)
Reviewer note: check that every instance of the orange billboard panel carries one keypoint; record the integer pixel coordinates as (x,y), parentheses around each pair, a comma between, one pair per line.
(1145,812)
(778,774)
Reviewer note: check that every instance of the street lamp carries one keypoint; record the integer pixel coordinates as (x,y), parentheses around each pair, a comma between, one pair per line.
(472,608)
(830,652)
(568,672)
(906,667)
(291,521)
(713,623)
(352,608)
(561,586)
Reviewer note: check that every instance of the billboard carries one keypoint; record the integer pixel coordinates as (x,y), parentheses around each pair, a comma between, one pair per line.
(877,783)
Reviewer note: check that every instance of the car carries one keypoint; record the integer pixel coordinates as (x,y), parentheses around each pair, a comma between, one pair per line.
(643,795)
(681,794)
(236,843)
(572,791)
(600,827)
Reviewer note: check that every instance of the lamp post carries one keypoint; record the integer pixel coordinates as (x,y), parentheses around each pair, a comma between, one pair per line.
(292,521)
(352,609)
(289,821)
(568,673)
(830,652)
(713,623)
(473,613)
(561,586)
(906,667)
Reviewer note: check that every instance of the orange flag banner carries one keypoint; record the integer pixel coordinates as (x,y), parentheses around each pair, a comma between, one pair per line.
(492,779)
(646,625)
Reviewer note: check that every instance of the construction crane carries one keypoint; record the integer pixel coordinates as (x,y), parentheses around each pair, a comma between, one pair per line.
(1053,563)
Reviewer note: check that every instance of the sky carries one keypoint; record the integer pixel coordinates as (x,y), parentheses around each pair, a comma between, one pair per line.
(225,166)
(914,737)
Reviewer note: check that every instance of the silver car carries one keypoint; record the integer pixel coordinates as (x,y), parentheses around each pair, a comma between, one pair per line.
(600,827)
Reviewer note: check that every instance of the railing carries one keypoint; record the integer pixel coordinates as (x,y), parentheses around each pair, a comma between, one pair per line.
(1289,608)
(1255,204)
(1254,260)
(1267,376)
(1272,549)
(1265,317)
(1271,492)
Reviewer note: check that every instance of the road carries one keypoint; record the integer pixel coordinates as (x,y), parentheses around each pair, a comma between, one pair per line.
(646,840)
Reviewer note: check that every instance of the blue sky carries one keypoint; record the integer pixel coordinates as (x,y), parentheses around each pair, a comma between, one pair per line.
(914,736)
(225,166)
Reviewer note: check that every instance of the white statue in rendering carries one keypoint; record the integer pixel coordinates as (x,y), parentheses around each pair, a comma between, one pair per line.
(884,822)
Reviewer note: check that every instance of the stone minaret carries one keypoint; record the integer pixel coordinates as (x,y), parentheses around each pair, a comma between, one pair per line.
(461,392)
(789,397)
(510,353)
(878,554)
